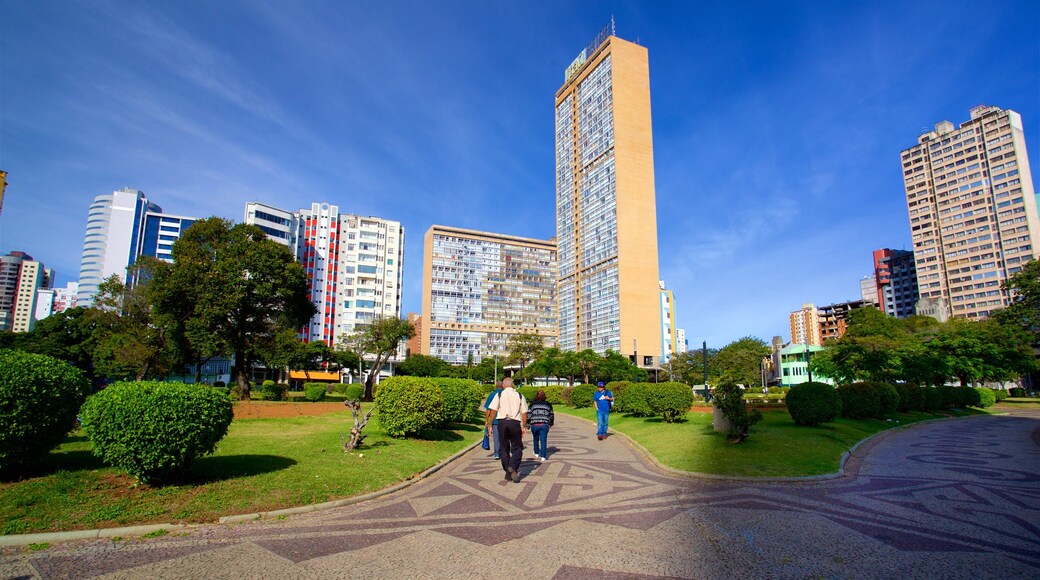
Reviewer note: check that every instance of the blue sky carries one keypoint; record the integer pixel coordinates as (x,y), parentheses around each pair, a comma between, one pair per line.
(777,126)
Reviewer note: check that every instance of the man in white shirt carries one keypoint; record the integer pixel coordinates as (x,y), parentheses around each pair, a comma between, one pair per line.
(510,408)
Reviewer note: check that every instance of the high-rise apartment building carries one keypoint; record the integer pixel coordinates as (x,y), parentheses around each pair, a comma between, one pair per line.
(606,217)
(480,289)
(121,226)
(354,264)
(680,341)
(868,289)
(280,225)
(668,338)
(972,208)
(895,282)
(805,326)
(21,281)
(834,318)
(111,241)
(414,344)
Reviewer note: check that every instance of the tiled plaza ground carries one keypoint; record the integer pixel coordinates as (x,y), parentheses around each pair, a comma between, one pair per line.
(950,499)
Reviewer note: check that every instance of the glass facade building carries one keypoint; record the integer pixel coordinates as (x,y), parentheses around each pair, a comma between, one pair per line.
(606,221)
(481,288)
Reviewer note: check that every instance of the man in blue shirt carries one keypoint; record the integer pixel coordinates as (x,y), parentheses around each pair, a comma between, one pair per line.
(491,423)
(602,399)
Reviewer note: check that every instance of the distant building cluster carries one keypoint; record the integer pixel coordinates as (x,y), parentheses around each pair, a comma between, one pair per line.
(973,223)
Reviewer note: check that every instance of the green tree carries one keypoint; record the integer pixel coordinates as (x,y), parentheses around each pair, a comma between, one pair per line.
(553,362)
(688,367)
(524,348)
(423,365)
(615,366)
(1024,311)
(247,289)
(379,340)
(587,361)
(872,349)
(740,361)
(70,336)
(486,371)
(130,345)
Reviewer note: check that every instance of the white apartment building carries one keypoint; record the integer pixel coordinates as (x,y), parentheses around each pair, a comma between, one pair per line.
(111,241)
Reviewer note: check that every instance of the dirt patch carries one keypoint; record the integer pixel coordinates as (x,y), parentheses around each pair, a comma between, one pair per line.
(278,410)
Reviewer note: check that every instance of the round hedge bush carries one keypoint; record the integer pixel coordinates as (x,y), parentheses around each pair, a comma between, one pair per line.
(1017,392)
(528,392)
(932,399)
(352,392)
(633,400)
(462,397)
(1000,395)
(670,400)
(959,397)
(813,403)
(314,392)
(581,396)
(859,401)
(407,405)
(272,391)
(153,430)
(911,398)
(889,398)
(39,398)
(987,398)
(554,394)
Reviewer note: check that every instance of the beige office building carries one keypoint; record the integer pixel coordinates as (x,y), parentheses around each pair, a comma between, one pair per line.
(480,289)
(606,217)
(973,213)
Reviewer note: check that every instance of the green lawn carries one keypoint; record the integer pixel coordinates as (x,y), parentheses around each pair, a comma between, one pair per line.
(1021,403)
(261,465)
(776,447)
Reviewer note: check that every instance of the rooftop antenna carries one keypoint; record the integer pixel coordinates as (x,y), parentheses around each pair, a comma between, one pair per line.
(612,33)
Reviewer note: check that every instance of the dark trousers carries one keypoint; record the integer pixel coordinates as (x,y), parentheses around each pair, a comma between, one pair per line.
(512,443)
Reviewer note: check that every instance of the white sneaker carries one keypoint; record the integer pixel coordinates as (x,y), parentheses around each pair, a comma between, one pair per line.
(542,458)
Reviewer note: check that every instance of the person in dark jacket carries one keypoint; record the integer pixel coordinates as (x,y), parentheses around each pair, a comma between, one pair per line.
(540,417)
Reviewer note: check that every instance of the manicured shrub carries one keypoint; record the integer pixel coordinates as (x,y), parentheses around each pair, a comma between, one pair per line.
(272,391)
(39,398)
(528,392)
(1017,392)
(408,405)
(670,400)
(568,396)
(889,398)
(932,399)
(153,430)
(859,401)
(813,403)
(352,392)
(1000,395)
(729,398)
(462,397)
(987,398)
(959,397)
(581,396)
(554,394)
(339,388)
(617,387)
(633,399)
(776,390)
(314,392)
(219,384)
(224,391)
(911,398)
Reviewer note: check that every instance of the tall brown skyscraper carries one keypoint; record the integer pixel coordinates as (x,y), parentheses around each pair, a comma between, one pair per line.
(606,217)
(973,212)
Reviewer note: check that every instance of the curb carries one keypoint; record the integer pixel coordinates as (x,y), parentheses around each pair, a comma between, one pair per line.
(49,537)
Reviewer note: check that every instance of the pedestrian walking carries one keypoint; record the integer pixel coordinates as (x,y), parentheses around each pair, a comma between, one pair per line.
(491,422)
(510,408)
(540,417)
(603,399)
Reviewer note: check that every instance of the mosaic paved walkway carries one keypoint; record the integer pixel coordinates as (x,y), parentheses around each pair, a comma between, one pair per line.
(951,499)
